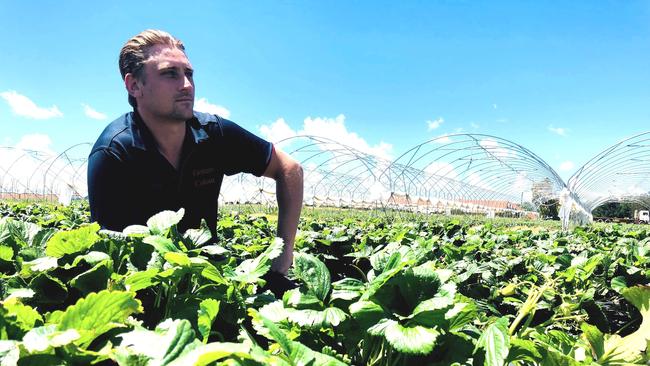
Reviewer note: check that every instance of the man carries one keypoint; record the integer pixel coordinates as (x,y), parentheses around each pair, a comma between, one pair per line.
(164,156)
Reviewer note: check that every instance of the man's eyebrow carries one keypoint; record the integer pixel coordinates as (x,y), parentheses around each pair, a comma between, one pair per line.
(175,68)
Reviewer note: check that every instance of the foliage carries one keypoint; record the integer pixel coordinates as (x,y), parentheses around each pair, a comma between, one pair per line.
(374,289)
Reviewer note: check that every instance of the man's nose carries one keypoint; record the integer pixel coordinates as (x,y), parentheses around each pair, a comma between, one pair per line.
(187,82)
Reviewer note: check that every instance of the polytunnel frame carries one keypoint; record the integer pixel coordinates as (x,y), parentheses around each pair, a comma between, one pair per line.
(600,171)
(413,155)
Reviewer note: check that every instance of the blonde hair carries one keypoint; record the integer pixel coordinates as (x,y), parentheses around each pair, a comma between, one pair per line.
(136,51)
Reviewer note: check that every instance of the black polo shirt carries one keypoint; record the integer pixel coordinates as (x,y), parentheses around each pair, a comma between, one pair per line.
(129,180)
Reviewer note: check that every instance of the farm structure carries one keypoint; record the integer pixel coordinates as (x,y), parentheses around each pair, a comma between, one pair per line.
(461,173)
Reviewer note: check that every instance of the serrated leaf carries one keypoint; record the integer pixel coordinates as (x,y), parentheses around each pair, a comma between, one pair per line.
(495,340)
(212,273)
(26,316)
(42,338)
(313,273)
(367,313)
(141,280)
(412,340)
(136,230)
(73,241)
(630,347)
(251,270)
(347,289)
(19,293)
(523,350)
(208,310)
(170,340)
(297,353)
(159,223)
(94,279)
(207,354)
(97,313)
(297,299)
(42,264)
(161,244)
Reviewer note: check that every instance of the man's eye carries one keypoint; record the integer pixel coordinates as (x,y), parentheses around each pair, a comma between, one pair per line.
(170,73)
(189,74)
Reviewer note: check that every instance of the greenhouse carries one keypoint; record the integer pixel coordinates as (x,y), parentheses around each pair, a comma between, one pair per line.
(461,173)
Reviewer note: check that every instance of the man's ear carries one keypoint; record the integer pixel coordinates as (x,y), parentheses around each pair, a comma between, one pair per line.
(133,85)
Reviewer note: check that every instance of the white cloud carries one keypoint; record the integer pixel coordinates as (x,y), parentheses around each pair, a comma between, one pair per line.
(23,106)
(335,129)
(92,113)
(558,130)
(435,123)
(277,131)
(566,166)
(202,105)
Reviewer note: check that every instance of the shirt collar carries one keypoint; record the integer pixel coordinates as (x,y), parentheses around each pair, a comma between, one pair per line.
(143,138)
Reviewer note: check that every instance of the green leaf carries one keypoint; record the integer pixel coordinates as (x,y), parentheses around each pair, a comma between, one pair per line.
(9,353)
(48,290)
(250,270)
(212,273)
(299,300)
(313,273)
(6,253)
(595,339)
(41,264)
(495,340)
(208,310)
(170,340)
(207,354)
(159,223)
(178,258)
(619,284)
(316,319)
(523,350)
(630,347)
(98,313)
(26,316)
(94,279)
(367,313)
(347,289)
(297,353)
(141,280)
(73,241)
(411,340)
(43,338)
(161,244)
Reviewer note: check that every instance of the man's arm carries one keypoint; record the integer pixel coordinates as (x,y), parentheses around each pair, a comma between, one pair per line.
(288,187)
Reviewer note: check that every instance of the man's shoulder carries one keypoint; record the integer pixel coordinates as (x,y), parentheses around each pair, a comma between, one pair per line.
(117,137)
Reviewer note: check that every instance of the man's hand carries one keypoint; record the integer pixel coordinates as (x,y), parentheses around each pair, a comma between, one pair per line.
(288,188)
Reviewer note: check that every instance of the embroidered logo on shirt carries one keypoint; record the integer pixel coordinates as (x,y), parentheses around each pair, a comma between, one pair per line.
(204,177)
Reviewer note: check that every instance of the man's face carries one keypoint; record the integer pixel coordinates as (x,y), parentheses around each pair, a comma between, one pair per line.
(166,87)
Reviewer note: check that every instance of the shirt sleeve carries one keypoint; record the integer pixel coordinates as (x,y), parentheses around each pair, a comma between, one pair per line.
(108,191)
(244,152)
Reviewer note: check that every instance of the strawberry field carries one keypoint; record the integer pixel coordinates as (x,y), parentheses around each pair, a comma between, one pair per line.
(373,289)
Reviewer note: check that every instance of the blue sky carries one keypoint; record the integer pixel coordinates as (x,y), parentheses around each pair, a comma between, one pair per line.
(563,79)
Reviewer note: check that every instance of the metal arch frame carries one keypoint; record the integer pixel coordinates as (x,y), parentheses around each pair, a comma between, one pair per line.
(63,154)
(610,168)
(532,164)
